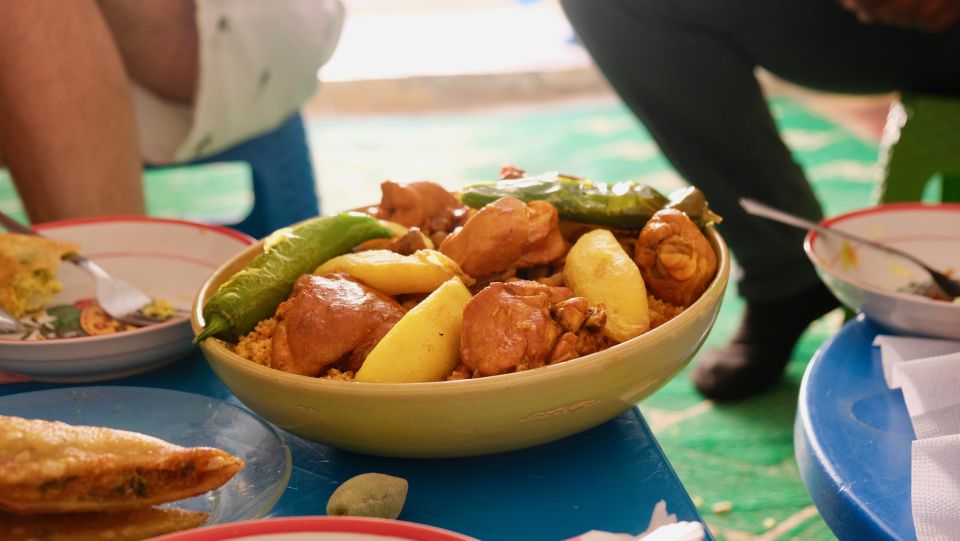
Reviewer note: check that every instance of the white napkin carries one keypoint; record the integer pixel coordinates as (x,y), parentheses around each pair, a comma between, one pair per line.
(931,390)
(663,527)
(928,373)
(936,488)
(897,349)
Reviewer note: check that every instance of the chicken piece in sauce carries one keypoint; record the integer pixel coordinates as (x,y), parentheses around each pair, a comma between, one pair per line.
(406,244)
(675,258)
(330,321)
(513,326)
(505,234)
(422,204)
(508,171)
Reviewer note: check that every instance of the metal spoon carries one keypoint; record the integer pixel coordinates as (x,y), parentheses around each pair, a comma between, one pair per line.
(944,282)
(118,298)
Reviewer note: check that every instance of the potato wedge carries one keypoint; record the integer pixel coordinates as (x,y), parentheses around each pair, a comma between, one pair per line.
(425,344)
(599,269)
(395,274)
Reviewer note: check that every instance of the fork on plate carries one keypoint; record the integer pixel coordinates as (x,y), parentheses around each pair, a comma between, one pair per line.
(118,298)
(8,323)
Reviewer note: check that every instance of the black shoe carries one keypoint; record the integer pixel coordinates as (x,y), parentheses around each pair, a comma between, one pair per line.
(758,354)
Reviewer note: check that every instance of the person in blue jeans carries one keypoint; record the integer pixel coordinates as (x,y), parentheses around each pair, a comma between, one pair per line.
(686,70)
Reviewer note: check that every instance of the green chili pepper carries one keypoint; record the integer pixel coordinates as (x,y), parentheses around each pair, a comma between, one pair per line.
(625,205)
(692,201)
(254,293)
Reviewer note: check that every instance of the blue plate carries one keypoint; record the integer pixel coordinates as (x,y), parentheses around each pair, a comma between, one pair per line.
(185,419)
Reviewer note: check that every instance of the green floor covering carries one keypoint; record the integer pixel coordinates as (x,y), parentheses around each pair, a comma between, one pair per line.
(742,454)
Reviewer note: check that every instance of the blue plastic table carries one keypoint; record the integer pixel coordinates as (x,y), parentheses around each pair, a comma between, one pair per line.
(853,439)
(607,478)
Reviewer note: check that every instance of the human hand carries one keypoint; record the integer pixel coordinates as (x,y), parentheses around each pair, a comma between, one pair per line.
(926,15)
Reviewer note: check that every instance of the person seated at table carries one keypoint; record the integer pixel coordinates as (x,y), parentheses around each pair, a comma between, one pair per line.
(686,69)
(91,89)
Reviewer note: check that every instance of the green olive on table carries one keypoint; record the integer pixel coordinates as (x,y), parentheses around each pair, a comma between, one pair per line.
(369,495)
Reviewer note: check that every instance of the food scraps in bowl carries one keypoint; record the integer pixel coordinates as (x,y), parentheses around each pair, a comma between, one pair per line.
(849,259)
(929,290)
(29,282)
(431,286)
(84,317)
(29,271)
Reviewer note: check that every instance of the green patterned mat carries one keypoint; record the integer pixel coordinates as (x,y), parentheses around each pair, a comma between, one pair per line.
(741,454)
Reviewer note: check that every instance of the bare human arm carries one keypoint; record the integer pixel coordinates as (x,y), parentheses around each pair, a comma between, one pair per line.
(67,131)
(926,15)
(159,44)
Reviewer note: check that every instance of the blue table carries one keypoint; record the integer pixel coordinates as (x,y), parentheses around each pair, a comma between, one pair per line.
(853,437)
(607,478)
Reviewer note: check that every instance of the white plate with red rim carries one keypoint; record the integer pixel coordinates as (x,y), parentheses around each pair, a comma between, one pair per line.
(875,282)
(319,528)
(166,258)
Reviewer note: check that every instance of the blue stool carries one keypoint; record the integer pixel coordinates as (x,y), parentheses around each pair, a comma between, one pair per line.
(284,186)
(921,139)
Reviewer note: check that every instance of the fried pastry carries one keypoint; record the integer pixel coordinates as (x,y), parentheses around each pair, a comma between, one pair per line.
(28,271)
(53,467)
(119,526)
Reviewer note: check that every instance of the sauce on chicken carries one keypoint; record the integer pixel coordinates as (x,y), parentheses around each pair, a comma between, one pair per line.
(328,321)
(513,326)
(506,234)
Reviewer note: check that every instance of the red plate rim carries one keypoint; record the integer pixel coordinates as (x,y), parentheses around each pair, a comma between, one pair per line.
(361,525)
(242,237)
(883,209)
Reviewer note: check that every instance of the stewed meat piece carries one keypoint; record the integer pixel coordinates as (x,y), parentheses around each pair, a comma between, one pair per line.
(508,171)
(422,204)
(505,234)
(675,258)
(512,326)
(328,321)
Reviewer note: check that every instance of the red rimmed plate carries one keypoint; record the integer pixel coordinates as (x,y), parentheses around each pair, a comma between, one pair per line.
(168,259)
(877,283)
(321,528)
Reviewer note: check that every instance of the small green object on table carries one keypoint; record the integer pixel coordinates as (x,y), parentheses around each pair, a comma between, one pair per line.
(374,495)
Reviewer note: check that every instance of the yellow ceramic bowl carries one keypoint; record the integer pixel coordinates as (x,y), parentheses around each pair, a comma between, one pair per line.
(466,417)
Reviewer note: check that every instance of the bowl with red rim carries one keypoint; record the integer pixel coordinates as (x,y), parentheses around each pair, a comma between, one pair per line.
(166,258)
(884,287)
(319,528)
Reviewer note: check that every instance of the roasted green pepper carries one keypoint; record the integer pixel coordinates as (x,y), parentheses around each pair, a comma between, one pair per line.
(692,201)
(625,205)
(254,293)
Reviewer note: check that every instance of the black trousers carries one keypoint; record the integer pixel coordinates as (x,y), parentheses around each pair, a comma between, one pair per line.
(686,69)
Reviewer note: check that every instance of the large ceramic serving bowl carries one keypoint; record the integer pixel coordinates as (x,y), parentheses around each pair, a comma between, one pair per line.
(466,417)
(873,282)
